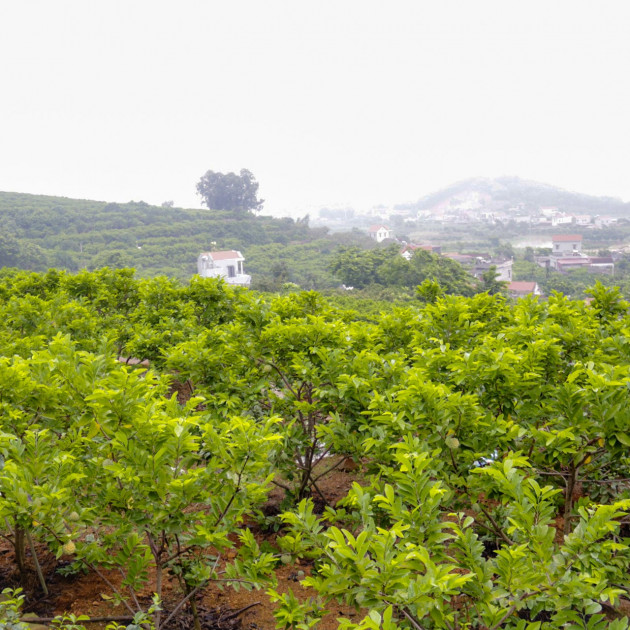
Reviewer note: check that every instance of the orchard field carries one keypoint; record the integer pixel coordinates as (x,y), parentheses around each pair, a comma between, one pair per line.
(166,442)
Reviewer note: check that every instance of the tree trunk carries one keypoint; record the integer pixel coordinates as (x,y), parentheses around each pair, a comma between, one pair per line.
(303,490)
(20,554)
(38,567)
(568,498)
(195,612)
(158,590)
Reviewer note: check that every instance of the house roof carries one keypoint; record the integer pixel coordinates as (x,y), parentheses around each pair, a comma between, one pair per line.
(411,247)
(225,255)
(576,261)
(376,228)
(496,262)
(459,257)
(566,238)
(522,286)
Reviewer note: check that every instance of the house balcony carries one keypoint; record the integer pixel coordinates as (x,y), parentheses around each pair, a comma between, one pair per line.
(240,279)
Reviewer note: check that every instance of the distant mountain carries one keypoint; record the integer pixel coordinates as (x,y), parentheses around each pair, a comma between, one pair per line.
(504,193)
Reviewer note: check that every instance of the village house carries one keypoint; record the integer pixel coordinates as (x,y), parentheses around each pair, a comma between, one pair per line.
(503,268)
(596,264)
(583,219)
(565,245)
(602,264)
(478,264)
(566,256)
(227,265)
(562,218)
(542,221)
(520,288)
(409,249)
(601,222)
(380,232)
(462,259)
(521,218)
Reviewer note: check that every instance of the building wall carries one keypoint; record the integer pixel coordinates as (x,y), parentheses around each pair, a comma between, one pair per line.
(504,269)
(230,269)
(567,248)
(381,235)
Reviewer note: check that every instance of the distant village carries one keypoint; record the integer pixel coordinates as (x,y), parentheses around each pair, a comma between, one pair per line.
(472,207)
(563,230)
(566,255)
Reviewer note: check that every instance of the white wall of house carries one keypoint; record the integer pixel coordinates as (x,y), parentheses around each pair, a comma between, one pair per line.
(503,269)
(582,219)
(567,248)
(381,234)
(562,219)
(605,221)
(222,265)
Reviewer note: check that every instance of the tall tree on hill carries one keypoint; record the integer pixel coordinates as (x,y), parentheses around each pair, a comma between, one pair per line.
(229,191)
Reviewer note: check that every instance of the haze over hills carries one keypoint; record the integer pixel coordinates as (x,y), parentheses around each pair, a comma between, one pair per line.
(504,193)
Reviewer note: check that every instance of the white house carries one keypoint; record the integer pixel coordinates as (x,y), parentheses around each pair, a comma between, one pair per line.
(604,221)
(227,265)
(583,219)
(566,245)
(380,232)
(561,218)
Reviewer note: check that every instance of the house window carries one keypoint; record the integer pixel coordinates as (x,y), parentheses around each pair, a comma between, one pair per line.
(231,272)
(240,267)
(557,246)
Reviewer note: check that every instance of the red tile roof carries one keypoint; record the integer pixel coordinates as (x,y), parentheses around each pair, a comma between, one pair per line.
(566,238)
(376,228)
(225,255)
(522,286)
(412,248)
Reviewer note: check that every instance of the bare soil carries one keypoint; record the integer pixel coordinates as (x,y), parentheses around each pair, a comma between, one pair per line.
(220,608)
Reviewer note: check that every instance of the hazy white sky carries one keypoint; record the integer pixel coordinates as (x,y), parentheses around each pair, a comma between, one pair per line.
(330,102)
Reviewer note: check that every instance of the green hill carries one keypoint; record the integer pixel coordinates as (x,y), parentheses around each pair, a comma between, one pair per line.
(40,231)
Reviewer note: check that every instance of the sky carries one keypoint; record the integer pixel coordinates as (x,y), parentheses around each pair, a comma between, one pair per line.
(329,103)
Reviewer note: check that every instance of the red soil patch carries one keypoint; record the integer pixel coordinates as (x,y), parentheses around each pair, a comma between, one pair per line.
(83,593)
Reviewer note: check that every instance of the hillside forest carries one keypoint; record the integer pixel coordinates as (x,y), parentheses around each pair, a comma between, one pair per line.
(165,442)
(42,232)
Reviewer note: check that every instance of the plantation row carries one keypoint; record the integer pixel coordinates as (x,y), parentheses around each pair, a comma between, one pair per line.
(492,440)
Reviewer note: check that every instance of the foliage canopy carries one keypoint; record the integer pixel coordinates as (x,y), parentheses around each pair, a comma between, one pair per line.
(491,438)
(228,191)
